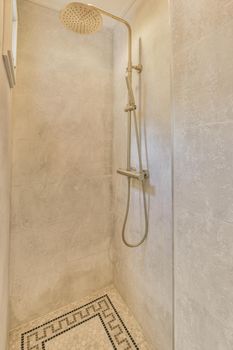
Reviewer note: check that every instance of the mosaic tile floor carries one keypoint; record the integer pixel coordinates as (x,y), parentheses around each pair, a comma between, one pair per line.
(99,322)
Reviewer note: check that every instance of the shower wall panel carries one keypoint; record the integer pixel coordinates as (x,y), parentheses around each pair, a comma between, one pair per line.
(203,168)
(62,160)
(5,163)
(143,275)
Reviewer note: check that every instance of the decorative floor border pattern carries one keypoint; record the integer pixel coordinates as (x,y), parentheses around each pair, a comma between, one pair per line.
(101,308)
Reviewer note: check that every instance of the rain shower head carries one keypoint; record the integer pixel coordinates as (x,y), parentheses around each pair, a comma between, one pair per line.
(87,19)
(81,18)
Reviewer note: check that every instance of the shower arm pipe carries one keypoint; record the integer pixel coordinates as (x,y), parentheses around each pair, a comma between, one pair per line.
(119,19)
(129,72)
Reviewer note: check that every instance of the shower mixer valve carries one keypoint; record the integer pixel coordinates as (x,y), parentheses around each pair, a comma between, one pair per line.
(141,175)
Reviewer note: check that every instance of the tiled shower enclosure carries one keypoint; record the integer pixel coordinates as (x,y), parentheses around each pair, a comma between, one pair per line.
(67,281)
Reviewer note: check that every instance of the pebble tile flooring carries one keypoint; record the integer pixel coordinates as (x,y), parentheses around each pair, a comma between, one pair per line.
(99,322)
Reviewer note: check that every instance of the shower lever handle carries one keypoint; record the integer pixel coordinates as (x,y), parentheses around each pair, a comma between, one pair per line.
(141,176)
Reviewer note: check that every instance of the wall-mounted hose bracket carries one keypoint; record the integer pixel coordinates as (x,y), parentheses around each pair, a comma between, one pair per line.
(138,68)
(130,108)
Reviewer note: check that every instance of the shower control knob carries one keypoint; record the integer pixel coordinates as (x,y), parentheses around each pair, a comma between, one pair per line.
(141,176)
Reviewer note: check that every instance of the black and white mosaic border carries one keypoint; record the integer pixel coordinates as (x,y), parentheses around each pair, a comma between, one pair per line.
(101,308)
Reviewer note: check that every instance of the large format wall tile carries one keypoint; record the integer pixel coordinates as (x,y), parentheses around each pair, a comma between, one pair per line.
(65,278)
(203,168)
(204,263)
(62,158)
(144,275)
(198,328)
(203,87)
(5,179)
(194,20)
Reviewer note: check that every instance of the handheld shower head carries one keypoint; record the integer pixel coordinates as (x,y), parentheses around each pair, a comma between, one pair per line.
(81,18)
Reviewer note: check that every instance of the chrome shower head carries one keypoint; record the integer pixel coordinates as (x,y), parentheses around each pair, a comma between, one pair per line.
(81,18)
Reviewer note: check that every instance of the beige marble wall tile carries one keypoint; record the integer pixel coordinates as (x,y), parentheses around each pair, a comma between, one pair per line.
(32,210)
(49,289)
(213,272)
(5,160)
(143,275)
(202,85)
(203,165)
(62,160)
(203,238)
(195,20)
(199,329)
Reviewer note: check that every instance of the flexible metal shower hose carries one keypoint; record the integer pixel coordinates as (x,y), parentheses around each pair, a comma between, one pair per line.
(130,245)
